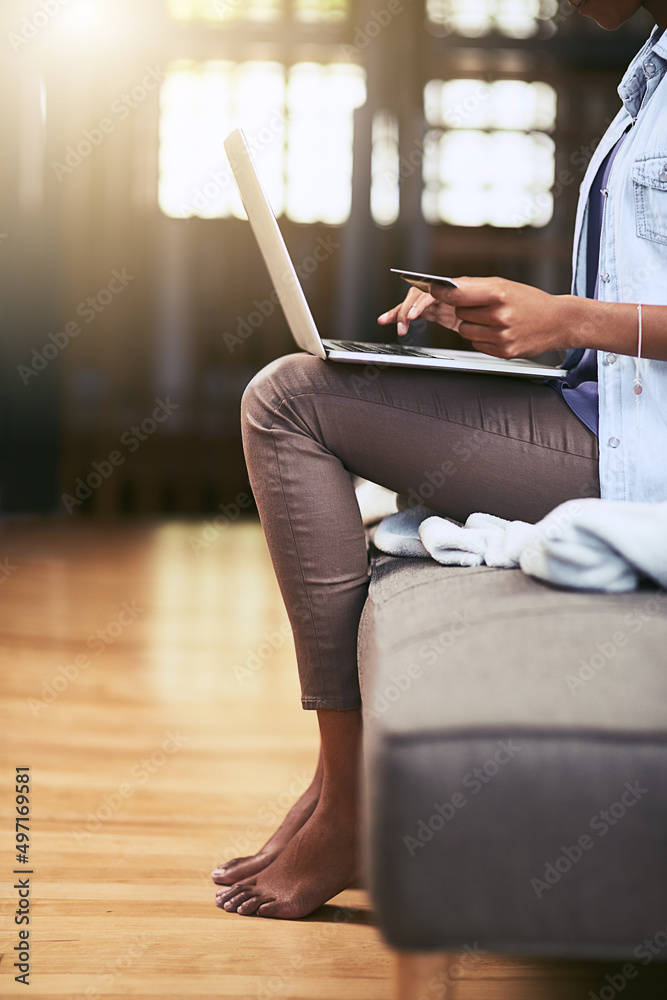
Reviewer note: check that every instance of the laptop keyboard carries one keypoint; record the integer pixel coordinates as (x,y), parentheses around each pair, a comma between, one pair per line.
(366,348)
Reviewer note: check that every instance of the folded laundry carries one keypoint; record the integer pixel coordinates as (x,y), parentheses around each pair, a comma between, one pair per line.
(587,544)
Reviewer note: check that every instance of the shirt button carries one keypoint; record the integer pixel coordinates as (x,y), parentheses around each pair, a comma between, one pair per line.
(662,176)
(614,442)
(610,358)
(605,276)
(650,68)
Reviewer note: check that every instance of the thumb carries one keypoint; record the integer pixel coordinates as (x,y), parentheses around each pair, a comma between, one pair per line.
(445,293)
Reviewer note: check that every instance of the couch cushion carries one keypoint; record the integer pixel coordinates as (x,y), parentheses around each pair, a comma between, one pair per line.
(517,760)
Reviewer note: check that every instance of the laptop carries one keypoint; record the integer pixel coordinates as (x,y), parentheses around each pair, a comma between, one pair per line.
(298,314)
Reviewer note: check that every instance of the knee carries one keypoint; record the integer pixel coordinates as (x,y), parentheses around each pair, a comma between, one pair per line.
(281,379)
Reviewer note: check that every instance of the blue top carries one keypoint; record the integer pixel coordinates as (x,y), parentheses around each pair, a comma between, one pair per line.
(633,269)
(580,388)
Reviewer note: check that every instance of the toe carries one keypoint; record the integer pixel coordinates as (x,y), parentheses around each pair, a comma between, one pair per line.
(223,895)
(269,908)
(233,904)
(225,876)
(232,863)
(251,905)
(240,869)
(227,871)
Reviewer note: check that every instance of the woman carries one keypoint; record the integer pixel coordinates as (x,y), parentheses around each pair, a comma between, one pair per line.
(309,424)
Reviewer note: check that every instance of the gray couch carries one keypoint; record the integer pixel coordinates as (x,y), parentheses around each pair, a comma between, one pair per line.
(516,760)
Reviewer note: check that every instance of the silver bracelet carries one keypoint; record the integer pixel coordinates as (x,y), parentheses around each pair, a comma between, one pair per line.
(638,378)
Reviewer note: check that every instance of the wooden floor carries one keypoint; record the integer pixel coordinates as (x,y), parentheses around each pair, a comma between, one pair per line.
(147,682)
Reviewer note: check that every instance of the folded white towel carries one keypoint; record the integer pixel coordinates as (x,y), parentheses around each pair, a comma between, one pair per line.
(484,539)
(586,544)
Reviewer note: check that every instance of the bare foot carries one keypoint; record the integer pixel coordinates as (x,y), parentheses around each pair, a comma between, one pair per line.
(318,863)
(239,869)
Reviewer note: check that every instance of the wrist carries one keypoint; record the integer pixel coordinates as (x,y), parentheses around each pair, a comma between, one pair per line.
(574,324)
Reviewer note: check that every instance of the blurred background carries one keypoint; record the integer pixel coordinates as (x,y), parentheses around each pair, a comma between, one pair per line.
(448,135)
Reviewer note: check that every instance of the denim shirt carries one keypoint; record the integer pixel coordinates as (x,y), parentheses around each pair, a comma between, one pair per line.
(633,268)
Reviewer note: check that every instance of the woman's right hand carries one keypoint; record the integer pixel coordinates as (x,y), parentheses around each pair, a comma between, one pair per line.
(419,304)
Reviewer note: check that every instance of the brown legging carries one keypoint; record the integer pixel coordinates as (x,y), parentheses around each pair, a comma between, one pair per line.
(454,442)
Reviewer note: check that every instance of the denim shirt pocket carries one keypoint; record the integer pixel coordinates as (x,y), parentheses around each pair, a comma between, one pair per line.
(649,178)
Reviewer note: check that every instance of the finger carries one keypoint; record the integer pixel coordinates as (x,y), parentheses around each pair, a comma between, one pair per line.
(486,330)
(482,340)
(415,303)
(471,292)
(422,302)
(478,333)
(444,315)
(493,316)
(391,316)
(485,348)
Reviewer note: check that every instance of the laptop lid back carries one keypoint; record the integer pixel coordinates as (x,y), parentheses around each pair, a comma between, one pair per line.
(272,245)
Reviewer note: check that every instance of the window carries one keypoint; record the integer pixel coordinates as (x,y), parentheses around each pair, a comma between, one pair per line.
(473,18)
(488,159)
(258,11)
(320,11)
(385,169)
(298,122)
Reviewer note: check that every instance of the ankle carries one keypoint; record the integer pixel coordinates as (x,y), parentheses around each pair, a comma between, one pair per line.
(341,804)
